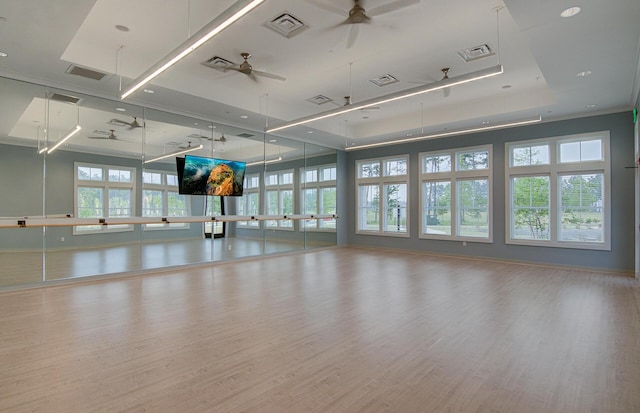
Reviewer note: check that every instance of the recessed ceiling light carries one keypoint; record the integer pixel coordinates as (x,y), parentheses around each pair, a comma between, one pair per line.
(122,28)
(244,116)
(149,91)
(212,126)
(570,12)
(273,140)
(309,131)
(3,54)
(121,109)
(195,123)
(591,106)
(584,74)
(485,122)
(409,134)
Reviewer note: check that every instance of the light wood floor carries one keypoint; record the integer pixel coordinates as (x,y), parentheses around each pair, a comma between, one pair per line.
(337,330)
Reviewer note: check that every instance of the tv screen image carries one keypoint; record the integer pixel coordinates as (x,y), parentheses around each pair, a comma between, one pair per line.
(211,176)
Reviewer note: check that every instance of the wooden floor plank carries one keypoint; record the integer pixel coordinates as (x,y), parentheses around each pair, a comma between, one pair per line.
(336,330)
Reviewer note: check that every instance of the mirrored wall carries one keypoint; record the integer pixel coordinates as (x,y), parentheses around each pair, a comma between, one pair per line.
(69,156)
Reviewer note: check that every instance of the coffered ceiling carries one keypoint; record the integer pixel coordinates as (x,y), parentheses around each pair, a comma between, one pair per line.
(542,54)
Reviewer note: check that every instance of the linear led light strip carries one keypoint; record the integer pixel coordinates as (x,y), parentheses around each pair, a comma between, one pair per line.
(72,132)
(278,159)
(180,152)
(441,84)
(224,20)
(450,133)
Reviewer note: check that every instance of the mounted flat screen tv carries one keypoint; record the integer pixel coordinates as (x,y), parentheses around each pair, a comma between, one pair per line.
(211,176)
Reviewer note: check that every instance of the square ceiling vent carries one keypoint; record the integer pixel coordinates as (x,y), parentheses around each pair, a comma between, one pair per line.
(286,25)
(475,53)
(319,99)
(384,80)
(84,72)
(217,62)
(59,97)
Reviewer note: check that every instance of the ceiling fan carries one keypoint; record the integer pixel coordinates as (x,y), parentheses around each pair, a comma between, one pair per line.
(132,125)
(445,72)
(246,68)
(104,135)
(358,14)
(221,139)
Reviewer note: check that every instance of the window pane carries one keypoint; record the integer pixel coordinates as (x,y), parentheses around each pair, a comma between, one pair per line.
(369,169)
(310,206)
(369,204)
(172,180)
(286,178)
(272,206)
(118,175)
(438,163)
(473,160)
(119,203)
(151,203)
(328,206)
(395,213)
(578,151)
(436,204)
(177,205)
(311,175)
(473,202)
(328,174)
(271,179)
(87,173)
(286,206)
(90,202)
(582,212)
(395,167)
(152,178)
(530,208)
(530,155)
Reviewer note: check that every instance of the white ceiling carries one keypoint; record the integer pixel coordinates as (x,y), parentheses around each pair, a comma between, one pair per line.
(541,53)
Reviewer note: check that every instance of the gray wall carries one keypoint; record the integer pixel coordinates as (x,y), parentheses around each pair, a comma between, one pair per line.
(621,256)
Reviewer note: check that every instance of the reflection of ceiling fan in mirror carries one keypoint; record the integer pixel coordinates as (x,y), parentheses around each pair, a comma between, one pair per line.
(221,139)
(358,14)
(132,125)
(104,135)
(246,68)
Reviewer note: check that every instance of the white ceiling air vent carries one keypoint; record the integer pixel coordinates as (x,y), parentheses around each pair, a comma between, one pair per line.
(286,24)
(217,62)
(319,99)
(475,53)
(84,72)
(384,80)
(59,97)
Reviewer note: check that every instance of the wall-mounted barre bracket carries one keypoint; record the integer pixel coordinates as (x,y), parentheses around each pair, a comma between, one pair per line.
(102,221)
(22,223)
(213,218)
(165,220)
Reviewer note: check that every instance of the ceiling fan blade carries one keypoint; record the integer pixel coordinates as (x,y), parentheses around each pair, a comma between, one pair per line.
(328,7)
(353,35)
(391,7)
(269,75)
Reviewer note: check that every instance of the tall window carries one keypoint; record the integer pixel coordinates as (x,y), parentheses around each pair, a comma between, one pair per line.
(160,198)
(103,191)
(249,202)
(318,195)
(279,197)
(456,194)
(556,194)
(382,197)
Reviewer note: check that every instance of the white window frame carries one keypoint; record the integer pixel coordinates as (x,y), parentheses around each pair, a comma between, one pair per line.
(454,176)
(278,187)
(381,181)
(319,184)
(105,185)
(555,170)
(242,201)
(165,188)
